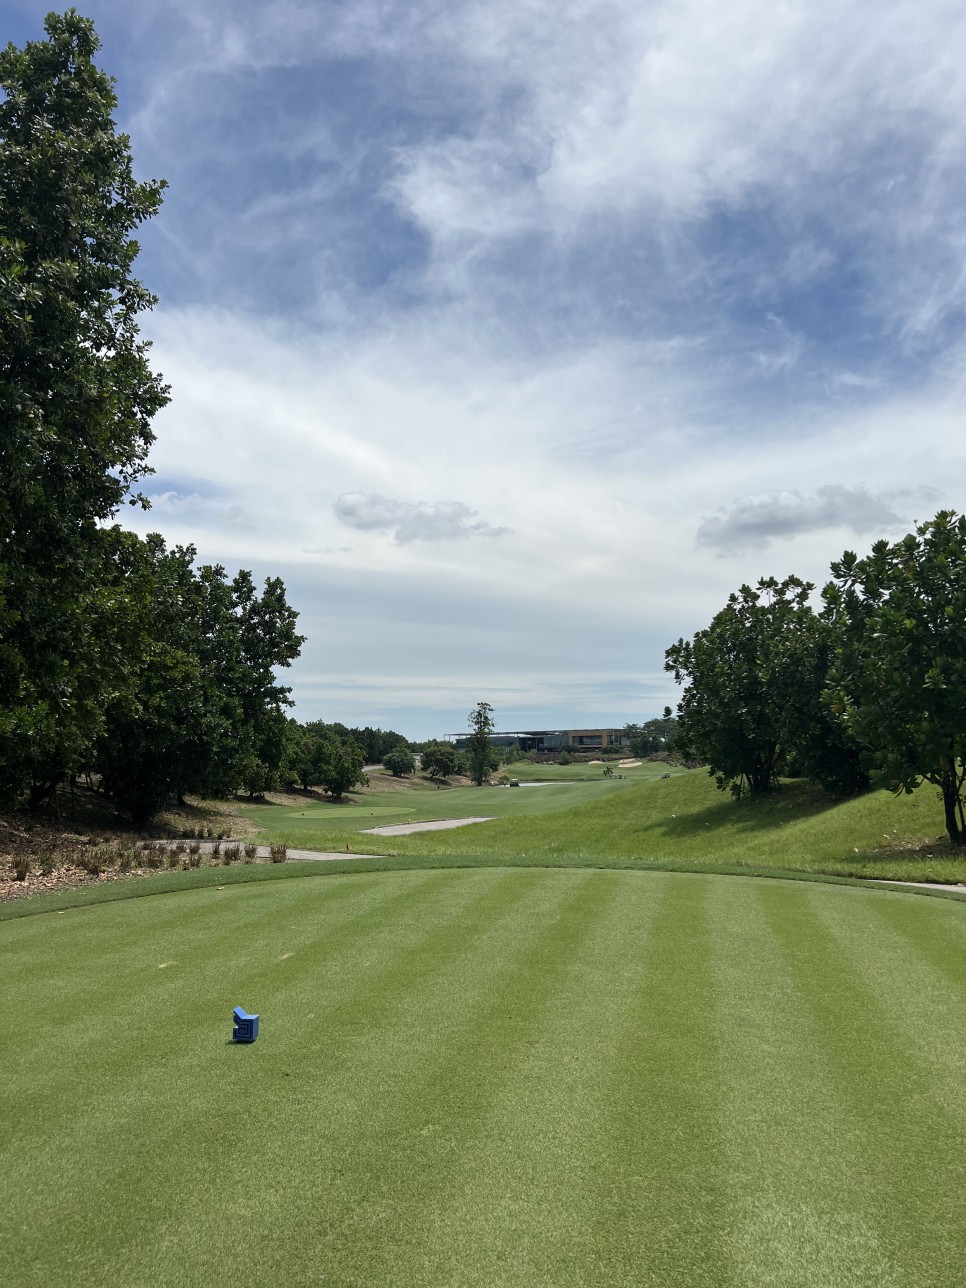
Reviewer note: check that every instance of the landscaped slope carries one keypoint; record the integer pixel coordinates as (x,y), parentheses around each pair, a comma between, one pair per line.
(682,820)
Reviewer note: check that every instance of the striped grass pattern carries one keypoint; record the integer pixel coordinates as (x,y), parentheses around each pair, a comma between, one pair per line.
(488,1077)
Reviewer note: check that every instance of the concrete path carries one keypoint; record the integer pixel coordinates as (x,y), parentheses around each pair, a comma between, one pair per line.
(920,885)
(433,825)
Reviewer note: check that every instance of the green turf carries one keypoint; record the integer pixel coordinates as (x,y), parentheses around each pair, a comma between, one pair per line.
(487,1077)
(681,821)
(569,785)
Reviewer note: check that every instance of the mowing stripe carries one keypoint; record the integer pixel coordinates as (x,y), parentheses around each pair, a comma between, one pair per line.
(490,1077)
(110,1012)
(391,1168)
(922,996)
(661,1196)
(187,1186)
(938,936)
(493,1158)
(902,1136)
(802,1204)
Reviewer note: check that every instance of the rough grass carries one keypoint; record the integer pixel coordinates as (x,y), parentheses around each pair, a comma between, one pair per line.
(682,821)
(489,1077)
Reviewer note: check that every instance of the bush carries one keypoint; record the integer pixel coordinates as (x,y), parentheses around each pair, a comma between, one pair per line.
(400,761)
(278,853)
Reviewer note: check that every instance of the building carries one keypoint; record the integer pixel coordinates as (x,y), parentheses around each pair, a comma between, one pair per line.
(551,739)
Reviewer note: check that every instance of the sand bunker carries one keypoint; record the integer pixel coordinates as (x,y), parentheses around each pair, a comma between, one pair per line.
(436,825)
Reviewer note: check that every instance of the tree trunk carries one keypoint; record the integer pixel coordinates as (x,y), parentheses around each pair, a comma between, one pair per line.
(952,807)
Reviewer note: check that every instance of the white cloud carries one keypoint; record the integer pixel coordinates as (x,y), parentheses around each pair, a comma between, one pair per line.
(755,521)
(412,520)
(653,258)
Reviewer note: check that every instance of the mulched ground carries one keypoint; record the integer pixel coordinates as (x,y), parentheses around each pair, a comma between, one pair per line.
(64,877)
(57,854)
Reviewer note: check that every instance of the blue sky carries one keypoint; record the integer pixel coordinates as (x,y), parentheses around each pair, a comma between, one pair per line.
(515,336)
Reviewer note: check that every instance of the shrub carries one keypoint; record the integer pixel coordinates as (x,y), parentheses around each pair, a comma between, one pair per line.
(251,851)
(21,866)
(278,853)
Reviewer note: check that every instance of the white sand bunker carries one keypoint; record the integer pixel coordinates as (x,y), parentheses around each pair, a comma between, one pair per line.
(435,825)
(628,764)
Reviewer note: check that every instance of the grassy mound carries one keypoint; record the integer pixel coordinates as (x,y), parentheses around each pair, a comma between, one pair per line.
(681,821)
(490,1077)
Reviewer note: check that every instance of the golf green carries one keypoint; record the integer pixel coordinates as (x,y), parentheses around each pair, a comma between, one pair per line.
(488,1077)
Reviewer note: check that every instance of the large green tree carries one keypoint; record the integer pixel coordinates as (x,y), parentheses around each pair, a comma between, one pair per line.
(77,394)
(899,678)
(399,761)
(752,680)
(441,759)
(193,704)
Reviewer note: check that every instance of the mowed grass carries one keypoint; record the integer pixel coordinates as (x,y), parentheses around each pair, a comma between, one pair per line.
(679,822)
(488,1077)
(561,787)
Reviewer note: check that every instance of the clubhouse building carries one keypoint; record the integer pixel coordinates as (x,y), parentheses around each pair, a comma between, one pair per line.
(551,739)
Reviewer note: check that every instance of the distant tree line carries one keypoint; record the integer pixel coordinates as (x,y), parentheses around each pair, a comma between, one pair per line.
(651,737)
(870,689)
(333,756)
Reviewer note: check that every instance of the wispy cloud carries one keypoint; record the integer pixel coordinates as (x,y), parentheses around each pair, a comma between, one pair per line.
(594,269)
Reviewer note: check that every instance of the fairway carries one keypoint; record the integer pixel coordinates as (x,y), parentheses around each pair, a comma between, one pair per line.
(488,1077)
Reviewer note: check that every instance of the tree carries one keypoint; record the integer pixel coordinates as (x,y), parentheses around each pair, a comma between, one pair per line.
(441,759)
(76,392)
(192,704)
(478,746)
(745,675)
(651,736)
(399,761)
(899,676)
(340,766)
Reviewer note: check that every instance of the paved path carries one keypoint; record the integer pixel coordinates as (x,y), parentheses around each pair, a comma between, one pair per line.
(921,885)
(432,825)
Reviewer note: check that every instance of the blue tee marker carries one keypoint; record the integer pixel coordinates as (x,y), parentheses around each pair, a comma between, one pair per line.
(245,1028)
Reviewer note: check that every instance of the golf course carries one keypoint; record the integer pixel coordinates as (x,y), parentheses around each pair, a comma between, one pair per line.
(543,1068)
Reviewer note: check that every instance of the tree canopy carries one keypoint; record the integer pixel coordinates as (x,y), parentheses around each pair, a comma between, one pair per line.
(754,680)
(899,676)
(479,750)
(117,656)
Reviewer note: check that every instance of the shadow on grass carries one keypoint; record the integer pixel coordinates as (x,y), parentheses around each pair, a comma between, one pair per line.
(789,803)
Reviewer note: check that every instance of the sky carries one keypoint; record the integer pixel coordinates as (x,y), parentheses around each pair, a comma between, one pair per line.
(515,335)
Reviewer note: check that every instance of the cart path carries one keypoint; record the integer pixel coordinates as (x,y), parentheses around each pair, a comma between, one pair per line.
(431,825)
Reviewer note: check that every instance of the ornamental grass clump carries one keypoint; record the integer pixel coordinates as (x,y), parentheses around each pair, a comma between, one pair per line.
(278,853)
(251,852)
